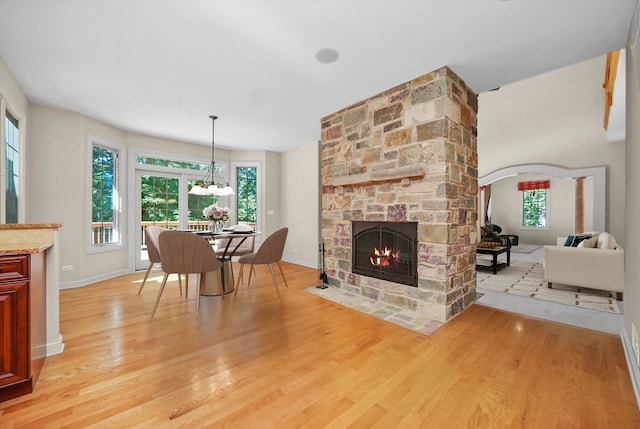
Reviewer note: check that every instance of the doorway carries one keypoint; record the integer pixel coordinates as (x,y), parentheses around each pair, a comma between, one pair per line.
(162,199)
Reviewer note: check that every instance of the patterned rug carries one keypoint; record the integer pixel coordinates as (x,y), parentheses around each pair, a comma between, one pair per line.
(527,279)
(524,248)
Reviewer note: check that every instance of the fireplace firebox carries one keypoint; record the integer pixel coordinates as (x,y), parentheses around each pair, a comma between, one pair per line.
(385,250)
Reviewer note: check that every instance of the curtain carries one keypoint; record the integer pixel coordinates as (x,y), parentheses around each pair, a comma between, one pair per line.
(536,184)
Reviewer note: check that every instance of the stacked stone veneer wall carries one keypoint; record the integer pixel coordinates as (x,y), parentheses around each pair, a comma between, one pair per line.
(406,155)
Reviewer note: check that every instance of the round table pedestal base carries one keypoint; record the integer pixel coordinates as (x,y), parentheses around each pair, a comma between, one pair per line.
(219,282)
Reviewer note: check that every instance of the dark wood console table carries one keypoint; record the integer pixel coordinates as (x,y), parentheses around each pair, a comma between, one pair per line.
(495,251)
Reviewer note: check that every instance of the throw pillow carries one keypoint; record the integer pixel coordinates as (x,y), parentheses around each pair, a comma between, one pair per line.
(606,241)
(589,243)
(579,238)
(569,240)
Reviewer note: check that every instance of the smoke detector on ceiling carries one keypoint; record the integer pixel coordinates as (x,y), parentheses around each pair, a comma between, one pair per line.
(327,56)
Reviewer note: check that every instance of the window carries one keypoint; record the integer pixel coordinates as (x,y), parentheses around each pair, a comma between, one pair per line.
(164,162)
(105,220)
(159,199)
(197,203)
(534,204)
(247,208)
(12,145)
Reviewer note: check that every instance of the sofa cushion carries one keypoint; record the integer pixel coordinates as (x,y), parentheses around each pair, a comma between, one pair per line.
(606,241)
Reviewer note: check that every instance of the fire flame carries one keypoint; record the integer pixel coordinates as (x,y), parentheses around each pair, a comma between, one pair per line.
(384,258)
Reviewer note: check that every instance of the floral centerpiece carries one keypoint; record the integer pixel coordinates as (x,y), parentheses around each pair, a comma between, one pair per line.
(217,216)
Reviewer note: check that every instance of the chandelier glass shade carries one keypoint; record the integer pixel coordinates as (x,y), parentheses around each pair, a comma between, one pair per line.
(211,184)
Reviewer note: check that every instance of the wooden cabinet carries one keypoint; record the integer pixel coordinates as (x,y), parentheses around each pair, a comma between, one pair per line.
(22,323)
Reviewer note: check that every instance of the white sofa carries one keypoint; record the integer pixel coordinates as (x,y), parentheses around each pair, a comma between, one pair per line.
(600,267)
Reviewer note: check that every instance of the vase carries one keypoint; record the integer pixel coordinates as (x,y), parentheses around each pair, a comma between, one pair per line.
(215,225)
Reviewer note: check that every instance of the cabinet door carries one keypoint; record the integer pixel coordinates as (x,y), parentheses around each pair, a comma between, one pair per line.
(14,333)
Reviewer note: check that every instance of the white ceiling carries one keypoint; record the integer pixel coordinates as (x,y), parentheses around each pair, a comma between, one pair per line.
(161,67)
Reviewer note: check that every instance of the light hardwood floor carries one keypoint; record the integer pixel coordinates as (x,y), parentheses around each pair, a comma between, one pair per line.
(253,361)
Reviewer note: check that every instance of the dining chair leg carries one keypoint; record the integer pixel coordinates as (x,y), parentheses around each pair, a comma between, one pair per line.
(235,292)
(180,283)
(145,277)
(164,282)
(223,291)
(251,269)
(202,278)
(282,272)
(275,283)
(186,286)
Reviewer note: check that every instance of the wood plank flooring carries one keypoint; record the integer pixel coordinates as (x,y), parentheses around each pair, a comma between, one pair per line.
(253,361)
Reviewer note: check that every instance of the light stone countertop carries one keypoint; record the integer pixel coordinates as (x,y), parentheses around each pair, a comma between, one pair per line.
(12,249)
(24,239)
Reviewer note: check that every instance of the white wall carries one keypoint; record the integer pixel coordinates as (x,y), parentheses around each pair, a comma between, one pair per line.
(632,195)
(271,192)
(300,188)
(57,172)
(10,90)
(556,119)
(506,208)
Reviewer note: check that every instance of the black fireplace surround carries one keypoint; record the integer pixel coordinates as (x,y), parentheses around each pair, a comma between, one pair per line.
(385,250)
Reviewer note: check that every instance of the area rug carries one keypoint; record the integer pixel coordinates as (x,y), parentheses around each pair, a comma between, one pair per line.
(391,313)
(524,248)
(527,279)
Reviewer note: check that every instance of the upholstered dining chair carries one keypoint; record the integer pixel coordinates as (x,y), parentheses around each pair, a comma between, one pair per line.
(245,248)
(269,253)
(183,252)
(247,245)
(151,234)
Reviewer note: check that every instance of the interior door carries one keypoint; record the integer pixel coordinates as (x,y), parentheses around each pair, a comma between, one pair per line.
(159,201)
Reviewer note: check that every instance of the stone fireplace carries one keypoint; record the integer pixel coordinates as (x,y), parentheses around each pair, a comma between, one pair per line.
(404,157)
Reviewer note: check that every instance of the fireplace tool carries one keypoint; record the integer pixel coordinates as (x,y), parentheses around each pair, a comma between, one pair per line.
(323,275)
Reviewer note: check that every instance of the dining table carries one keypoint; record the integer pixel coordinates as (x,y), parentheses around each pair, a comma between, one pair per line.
(221,283)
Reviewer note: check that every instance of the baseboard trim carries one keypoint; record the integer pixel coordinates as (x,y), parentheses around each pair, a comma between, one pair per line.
(634,371)
(300,262)
(55,347)
(107,276)
(91,280)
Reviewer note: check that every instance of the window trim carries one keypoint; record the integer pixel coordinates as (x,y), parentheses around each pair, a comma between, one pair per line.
(5,107)
(6,113)
(234,201)
(547,209)
(121,169)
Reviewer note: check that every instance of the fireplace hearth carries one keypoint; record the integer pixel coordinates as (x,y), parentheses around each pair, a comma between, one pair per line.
(385,250)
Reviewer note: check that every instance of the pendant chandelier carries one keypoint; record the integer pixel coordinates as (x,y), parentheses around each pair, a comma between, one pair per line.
(211,184)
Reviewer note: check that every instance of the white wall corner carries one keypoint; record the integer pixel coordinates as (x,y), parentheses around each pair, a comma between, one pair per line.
(55,347)
(634,371)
